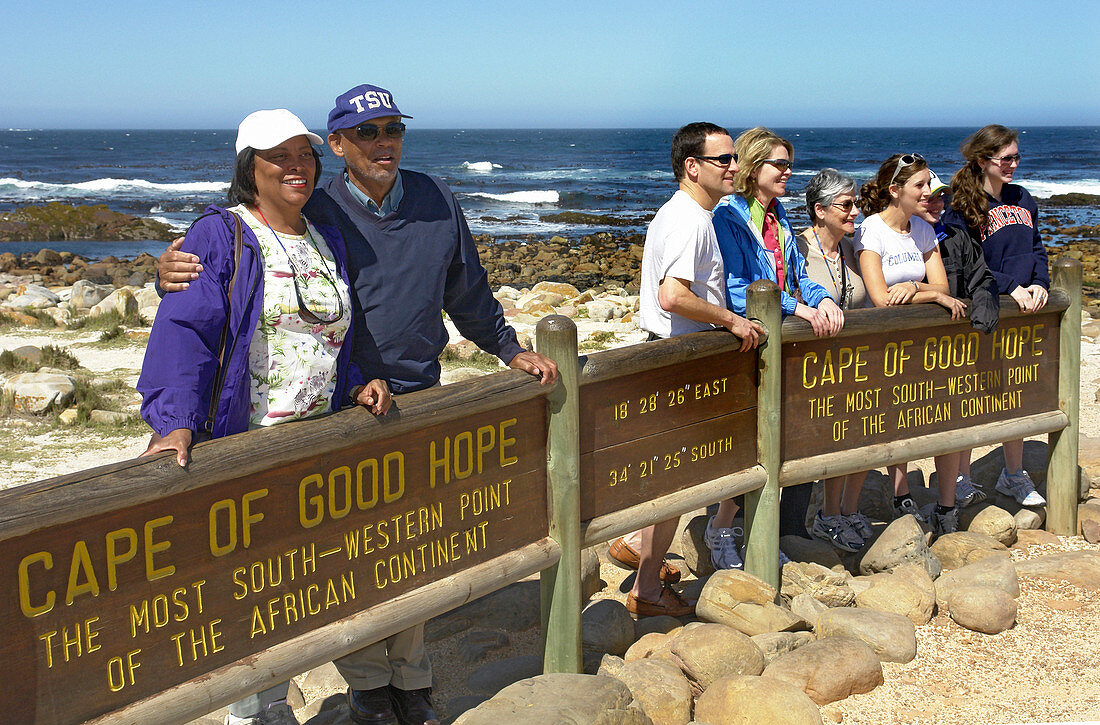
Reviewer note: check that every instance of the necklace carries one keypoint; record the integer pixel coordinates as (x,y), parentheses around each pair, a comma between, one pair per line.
(843,290)
(323,317)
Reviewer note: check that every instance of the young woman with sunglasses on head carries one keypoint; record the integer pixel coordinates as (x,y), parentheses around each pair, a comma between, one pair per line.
(756,242)
(262,340)
(831,262)
(901,264)
(1005,218)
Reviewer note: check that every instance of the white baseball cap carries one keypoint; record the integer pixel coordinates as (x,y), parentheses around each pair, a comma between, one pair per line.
(263,130)
(935,186)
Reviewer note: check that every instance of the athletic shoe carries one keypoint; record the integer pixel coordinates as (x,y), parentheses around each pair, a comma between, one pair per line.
(277,713)
(966,492)
(1020,487)
(837,531)
(909,507)
(723,547)
(945,523)
(861,525)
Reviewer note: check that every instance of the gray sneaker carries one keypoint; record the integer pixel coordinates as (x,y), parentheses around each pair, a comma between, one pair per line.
(966,492)
(861,524)
(837,531)
(1020,487)
(909,507)
(945,523)
(277,713)
(723,547)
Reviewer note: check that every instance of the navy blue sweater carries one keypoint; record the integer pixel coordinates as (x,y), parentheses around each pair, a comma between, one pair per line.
(1011,243)
(406,268)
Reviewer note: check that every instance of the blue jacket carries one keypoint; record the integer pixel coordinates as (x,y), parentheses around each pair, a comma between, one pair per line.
(177,377)
(746,260)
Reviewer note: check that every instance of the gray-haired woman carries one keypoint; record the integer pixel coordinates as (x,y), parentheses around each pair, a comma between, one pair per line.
(831,262)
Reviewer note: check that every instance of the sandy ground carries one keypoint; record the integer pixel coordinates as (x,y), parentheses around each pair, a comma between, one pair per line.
(1043,670)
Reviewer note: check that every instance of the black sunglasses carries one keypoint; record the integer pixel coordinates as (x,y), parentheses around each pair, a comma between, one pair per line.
(723,159)
(369,132)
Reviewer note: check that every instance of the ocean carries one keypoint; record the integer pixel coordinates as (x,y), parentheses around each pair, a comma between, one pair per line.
(508,181)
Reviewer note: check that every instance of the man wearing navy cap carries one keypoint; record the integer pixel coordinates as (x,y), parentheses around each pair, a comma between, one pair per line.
(410,258)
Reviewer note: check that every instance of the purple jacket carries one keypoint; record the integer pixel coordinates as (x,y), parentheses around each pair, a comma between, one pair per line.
(177,377)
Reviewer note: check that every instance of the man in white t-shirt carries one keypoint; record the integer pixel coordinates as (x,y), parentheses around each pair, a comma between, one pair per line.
(683,290)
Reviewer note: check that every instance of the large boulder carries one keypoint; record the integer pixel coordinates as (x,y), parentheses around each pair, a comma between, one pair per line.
(895,594)
(981,608)
(1081,568)
(746,603)
(710,651)
(37,393)
(892,636)
(903,542)
(565,698)
(660,688)
(32,296)
(694,550)
(606,627)
(746,700)
(121,301)
(965,547)
(774,644)
(995,523)
(829,669)
(995,571)
(823,584)
(86,295)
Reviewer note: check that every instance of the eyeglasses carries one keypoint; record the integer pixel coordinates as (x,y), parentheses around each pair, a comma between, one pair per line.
(905,160)
(723,159)
(1006,160)
(845,206)
(781,164)
(369,132)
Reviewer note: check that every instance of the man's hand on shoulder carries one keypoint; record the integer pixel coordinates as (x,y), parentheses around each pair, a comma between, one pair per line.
(176,269)
(545,369)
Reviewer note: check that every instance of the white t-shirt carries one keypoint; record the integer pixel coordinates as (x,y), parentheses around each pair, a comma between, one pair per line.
(680,242)
(902,254)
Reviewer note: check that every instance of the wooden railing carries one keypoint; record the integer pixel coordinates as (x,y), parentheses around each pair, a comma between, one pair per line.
(141,591)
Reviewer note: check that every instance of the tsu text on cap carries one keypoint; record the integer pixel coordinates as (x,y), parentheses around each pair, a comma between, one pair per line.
(264,130)
(361,103)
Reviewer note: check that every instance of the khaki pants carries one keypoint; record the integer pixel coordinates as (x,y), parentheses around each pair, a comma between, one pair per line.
(399,660)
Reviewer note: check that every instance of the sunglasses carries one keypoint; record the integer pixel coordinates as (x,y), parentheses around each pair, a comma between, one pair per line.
(723,159)
(1006,160)
(781,164)
(369,132)
(905,160)
(845,206)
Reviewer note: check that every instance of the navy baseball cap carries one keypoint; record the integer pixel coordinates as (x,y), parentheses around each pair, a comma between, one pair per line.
(361,103)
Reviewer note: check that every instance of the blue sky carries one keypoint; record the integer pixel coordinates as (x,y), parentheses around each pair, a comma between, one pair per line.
(492,64)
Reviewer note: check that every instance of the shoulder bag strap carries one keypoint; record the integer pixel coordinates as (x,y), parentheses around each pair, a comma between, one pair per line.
(219,375)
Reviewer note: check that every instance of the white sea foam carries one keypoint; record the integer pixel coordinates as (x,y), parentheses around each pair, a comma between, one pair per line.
(109,186)
(1044,189)
(521,197)
(482,166)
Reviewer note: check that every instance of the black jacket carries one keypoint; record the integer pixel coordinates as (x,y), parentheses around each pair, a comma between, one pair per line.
(968,277)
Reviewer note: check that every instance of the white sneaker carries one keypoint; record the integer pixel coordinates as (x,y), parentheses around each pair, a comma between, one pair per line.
(837,531)
(861,524)
(277,713)
(1020,487)
(966,492)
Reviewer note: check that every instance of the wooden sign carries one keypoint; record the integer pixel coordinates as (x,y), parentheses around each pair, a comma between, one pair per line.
(849,392)
(109,609)
(664,429)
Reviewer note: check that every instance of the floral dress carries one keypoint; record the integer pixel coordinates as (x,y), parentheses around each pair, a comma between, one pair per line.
(292,363)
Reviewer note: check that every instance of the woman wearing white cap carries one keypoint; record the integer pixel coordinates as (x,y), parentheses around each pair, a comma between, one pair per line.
(263,335)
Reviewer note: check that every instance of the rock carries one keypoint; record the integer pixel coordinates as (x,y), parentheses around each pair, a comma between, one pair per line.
(477,645)
(590,574)
(993,571)
(774,644)
(55,221)
(566,290)
(695,552)
(28,353)
(514,608)
(121,301)
(902,542)
(146,297)
(37,393)
(662,624)
(68,416)
(495,676)
(745,700)
(965,547)
(1091,531)
(1029,519)
(710,651)
(892,636)
(995,523)
(744,602)
(807,608)
(816,581)
(109,417)
(829,669)
(918,577)
(654,644)
(32,296)
(606,626)
(60,316)
(1076,567)
(810,551)
(661,690)
(86,295)
(890,593)
(611,666)
(980,608)
(1087,511)
(602,310)
(559,698)
(1026,538)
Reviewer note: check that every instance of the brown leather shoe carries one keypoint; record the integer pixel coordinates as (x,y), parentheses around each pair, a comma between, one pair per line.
(626,557)
(669,603)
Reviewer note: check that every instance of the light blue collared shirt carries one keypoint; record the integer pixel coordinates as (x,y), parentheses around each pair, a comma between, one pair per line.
(389,204)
